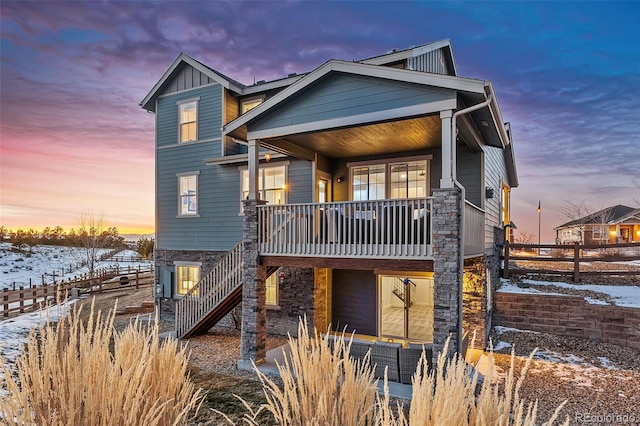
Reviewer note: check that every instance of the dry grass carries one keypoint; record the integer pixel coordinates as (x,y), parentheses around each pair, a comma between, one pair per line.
(321,386)
(326,387)
(74,373)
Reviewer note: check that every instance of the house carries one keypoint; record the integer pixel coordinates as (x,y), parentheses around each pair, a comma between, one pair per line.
(360,194)
(615,224)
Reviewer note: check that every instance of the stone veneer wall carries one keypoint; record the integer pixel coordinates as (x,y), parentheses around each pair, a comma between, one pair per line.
(167,258)
(474,301)
(446,228)
(295,300)
(568,316)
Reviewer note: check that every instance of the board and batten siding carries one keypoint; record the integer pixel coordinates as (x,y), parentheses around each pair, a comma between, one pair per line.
(187,78)
(341,95)
(495,173)
(432,62)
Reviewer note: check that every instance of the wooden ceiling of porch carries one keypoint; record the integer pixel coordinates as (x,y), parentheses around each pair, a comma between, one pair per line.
(372,139)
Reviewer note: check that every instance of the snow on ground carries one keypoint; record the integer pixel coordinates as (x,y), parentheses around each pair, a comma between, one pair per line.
(19,268)
(621,295)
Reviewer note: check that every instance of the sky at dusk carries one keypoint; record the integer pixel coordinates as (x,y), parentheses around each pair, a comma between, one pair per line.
(74,139)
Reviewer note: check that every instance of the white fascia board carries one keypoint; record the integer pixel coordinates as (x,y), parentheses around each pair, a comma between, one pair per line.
(494,108)
(417,77)
(352,120)
(406,53)
(183,57)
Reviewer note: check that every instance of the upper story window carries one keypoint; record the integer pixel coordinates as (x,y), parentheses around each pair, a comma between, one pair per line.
(187,276)
(188,126)
(406,179)
(249,104)
(272,184)
(188,194)
(505,205)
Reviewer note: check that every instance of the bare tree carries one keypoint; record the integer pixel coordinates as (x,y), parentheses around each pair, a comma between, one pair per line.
(601,219)
(93,237)
(576,211)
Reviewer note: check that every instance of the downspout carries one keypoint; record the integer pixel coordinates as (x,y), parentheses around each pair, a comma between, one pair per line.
(454,177)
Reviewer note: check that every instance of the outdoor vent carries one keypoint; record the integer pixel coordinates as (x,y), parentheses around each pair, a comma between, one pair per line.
(293,74)
(261,82)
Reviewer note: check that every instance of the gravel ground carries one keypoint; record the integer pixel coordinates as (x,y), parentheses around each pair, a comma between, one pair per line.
(599,381)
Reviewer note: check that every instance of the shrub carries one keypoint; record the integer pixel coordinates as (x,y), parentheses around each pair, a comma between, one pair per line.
(71,374)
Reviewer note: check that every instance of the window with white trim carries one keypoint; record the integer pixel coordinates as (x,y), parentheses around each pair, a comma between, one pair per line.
(406,179)
(187,276)
(272,184)
(271,285)
(249,104)
(188,195)
(188,116)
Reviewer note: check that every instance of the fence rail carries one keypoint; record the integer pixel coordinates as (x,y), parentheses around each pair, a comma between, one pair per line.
(609,253)
(23,299)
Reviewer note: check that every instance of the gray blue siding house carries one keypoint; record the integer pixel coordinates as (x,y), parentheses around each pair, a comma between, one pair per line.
(369,196)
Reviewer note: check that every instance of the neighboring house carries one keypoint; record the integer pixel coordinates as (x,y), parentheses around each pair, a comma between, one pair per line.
(358,194)
(615,224)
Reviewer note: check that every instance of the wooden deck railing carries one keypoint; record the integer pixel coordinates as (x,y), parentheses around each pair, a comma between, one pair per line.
(212,289)
(349,229)
(473,229)
(569,253)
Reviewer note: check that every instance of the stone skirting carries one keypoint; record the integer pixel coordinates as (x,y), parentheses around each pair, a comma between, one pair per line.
(568,316)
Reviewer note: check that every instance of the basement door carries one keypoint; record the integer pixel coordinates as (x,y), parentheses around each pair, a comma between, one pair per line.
(406,307)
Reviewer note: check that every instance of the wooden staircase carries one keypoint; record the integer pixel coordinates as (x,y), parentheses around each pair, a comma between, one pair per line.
(215,295)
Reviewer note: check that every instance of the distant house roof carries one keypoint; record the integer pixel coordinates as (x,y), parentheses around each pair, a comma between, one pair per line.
(413,51)
(612,215)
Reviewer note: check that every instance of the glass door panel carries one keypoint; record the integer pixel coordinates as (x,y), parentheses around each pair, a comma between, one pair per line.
(406,308)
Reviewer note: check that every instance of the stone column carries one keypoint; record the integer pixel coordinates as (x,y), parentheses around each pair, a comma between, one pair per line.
(254,309)
(447,275)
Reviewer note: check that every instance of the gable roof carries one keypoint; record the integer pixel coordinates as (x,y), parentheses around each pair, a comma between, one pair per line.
(148,102)
(413,51)
(480,88)
(614,214)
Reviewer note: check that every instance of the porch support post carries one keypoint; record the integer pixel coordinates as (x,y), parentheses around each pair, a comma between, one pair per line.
(254,150)
(447,246)
(448,150)
(254,309)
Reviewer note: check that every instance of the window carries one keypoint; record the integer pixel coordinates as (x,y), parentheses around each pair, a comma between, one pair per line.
(272,184)
(249,104)
(600,232)
(272,289)
(188,116)
(505,205)
(368,183)
(188,195)
(187,276)
(407,179)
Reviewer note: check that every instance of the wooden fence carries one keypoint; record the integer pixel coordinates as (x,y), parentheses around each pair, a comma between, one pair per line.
(575,253)
(24,299)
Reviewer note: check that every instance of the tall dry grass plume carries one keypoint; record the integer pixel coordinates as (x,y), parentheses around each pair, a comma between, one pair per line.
(71,373)
(322,386)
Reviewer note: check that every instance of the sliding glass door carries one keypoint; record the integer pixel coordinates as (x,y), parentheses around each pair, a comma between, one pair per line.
(406,307)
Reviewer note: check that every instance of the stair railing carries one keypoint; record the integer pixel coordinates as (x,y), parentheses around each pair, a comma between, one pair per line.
(213,288)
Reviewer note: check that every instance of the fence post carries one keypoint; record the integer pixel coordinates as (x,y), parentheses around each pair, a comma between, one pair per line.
(576,262)
(34,293)
(42,279)
(137,277)
(5,299)
(505,271)
(21,295)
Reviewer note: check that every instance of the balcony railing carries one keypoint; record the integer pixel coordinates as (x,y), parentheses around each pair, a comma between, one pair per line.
(350,229)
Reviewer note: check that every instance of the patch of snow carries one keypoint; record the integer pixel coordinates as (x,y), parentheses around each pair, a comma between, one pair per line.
(593,301)
(501,330)
(607,363)
(508,287)
(501,345)
(622,295)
